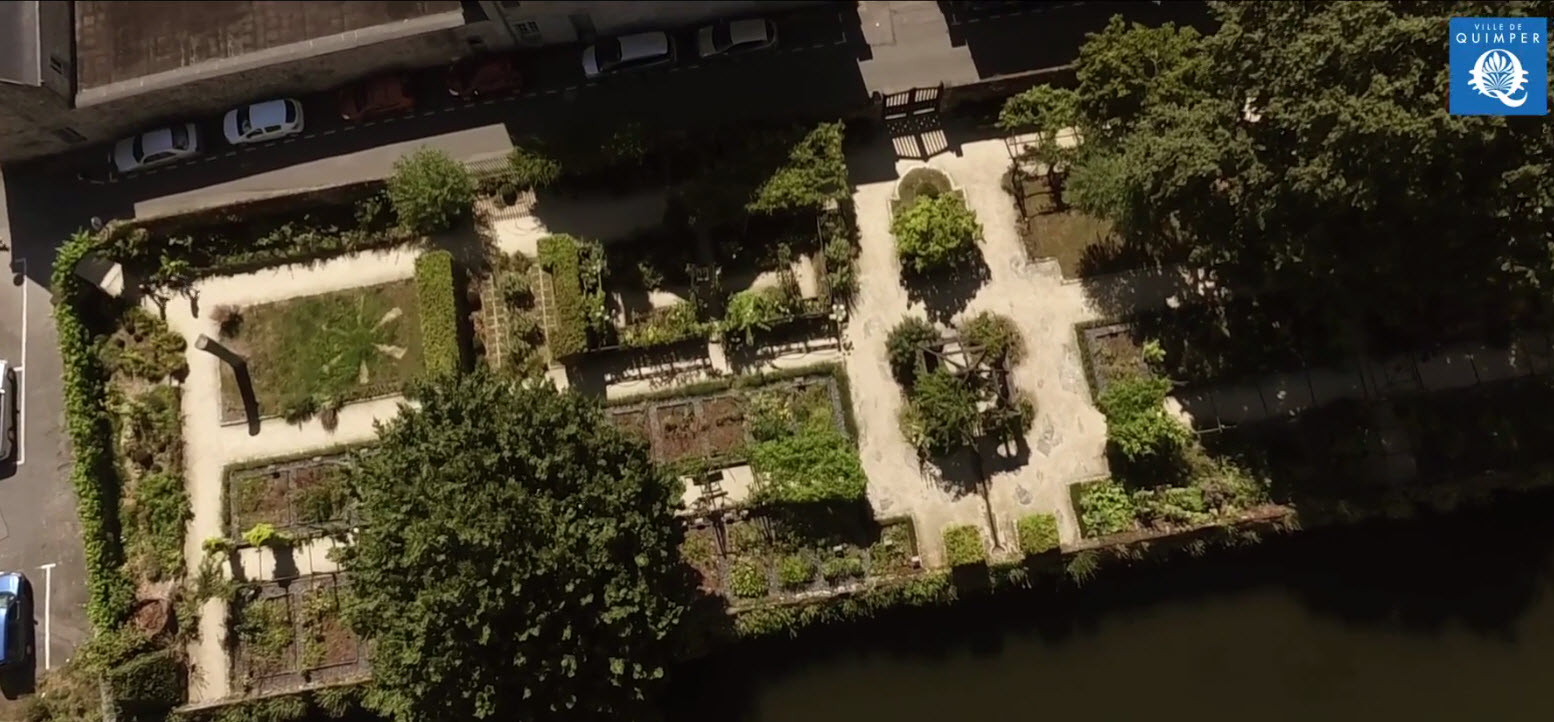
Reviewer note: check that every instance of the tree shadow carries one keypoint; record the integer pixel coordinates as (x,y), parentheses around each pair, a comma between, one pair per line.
(958,473)
(945,293)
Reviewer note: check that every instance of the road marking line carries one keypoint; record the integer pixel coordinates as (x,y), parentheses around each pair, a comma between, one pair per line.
(288,140)
(450,109)
(331,131)
(21,378)
(229,154)
(570,87)
(48,594)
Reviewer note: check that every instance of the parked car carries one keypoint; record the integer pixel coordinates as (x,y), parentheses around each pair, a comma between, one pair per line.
(736,36)
(260,122)
(487,75)
(627,52)
(16,634)
(155,147)
(383,95)
(7,410)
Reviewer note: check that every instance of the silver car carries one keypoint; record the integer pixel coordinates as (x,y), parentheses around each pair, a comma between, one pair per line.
(155,147)
(726,38)
(627,52)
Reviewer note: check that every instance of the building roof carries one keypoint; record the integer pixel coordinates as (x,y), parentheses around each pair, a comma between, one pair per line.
(19,43)
(119,41)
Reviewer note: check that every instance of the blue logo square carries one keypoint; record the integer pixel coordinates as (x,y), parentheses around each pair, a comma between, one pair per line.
(1499,66)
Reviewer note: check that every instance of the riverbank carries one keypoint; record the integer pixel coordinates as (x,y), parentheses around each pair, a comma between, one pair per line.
(1438,617)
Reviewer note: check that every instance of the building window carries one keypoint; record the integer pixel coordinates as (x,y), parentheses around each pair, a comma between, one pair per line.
(528,28)
(56,64)
(69,135)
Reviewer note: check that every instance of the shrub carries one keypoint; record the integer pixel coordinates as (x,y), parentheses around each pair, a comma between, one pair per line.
(837,569)
(665,326)
(996,334)
(158,514)
(1105,508)
(145,348)
(963,546)
(748,579)
(1038,533)
(754,310)
(795,571)
(434,288)
(93,475)
(324,500)
(264,534)
(532,167)
(941,415)
(229,320)
(559,256)
(815,171)
(814,463)
(514,289)
(430,191)
(903,343)
(935,233)
(1137,423)
(149,683)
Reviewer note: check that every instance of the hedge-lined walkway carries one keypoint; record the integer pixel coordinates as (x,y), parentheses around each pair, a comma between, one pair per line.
(209,447)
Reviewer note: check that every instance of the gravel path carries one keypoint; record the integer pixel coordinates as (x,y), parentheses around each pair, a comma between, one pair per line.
(209,447)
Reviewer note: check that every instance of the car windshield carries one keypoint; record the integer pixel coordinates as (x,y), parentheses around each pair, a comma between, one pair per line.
(138,148)
(7,600)
(291,113)
(180,137)
(720,37)
(608,52)
(244,124)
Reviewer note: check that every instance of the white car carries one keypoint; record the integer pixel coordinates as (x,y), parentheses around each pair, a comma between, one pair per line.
(260,122)
(627,52)
(155,147)
(735,37)
(7,409)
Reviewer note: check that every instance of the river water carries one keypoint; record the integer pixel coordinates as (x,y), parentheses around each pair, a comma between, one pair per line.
(1447,618)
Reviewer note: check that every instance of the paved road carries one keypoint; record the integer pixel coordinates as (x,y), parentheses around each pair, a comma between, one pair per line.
(39,533)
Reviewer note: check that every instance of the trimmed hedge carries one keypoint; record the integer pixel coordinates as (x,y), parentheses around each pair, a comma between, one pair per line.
(963,546)
(151,682)
(439,313)
(1038,534)
(94,474)
(560,256)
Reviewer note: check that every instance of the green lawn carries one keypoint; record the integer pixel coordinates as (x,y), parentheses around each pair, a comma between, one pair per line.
(344,345)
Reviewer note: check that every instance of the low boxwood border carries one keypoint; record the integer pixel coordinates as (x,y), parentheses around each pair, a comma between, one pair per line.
(233,469)
(743,381)
(94,475)
(341,701)
(559,255)
(434,290)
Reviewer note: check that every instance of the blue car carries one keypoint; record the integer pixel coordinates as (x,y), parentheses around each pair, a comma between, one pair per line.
(15,621)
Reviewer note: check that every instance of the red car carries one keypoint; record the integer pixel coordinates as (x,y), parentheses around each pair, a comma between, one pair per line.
(489,75)
(384,95)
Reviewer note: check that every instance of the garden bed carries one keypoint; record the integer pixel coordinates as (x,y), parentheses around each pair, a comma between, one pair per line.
(309,353)
(299,498)
(714,428)
(797,553)
(292,636)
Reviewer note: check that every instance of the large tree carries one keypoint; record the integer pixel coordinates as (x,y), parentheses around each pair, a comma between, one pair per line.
(515,559)
(1307,147)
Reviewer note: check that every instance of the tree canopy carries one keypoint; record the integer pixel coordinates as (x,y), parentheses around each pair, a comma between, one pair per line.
(1291,151)
(430,190)
(515,559)
(936,232)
